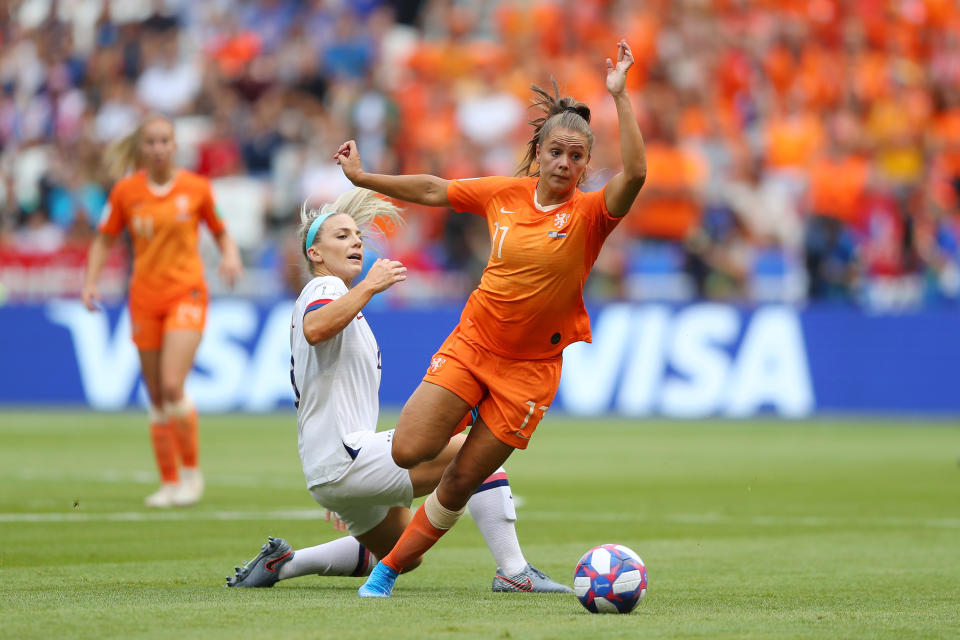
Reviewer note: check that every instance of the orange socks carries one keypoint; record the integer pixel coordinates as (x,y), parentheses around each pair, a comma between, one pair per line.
(173,431)
(183,415)
(431,521)
(186,432)
(416,540)
(165,451)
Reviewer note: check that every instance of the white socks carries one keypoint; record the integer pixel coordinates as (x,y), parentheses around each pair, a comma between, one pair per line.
(341,557)
(492,509)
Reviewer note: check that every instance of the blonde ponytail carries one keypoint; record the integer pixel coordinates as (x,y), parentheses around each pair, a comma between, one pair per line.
(367,208)
(123,154)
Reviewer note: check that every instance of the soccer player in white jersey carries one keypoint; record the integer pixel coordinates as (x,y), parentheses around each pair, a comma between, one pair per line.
(349,470)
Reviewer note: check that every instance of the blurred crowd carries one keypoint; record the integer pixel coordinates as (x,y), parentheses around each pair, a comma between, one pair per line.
(798,150)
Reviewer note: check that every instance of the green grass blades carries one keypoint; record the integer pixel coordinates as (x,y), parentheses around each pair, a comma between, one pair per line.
(748,529)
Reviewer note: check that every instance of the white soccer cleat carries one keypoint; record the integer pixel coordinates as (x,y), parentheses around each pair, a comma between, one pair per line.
(162,498)
(190,489)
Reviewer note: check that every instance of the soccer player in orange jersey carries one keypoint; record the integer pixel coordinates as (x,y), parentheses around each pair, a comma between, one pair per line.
(161,206)
(347,463)
(505,354)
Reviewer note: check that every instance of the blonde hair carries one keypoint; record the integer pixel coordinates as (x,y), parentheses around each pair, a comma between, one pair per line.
(363,205)
(124,154)
(558,113)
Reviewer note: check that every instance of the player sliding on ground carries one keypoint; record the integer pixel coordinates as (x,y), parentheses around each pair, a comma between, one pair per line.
(505,354)
(335,371)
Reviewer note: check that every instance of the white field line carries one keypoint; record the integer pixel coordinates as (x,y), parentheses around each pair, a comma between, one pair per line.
(263,481)
(165,515)
(318,514)
(759,521)
(108,476)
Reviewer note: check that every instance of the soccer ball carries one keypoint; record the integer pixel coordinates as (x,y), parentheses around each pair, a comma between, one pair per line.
(610,579)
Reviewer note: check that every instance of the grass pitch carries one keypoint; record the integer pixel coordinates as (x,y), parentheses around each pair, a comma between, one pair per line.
(748,529)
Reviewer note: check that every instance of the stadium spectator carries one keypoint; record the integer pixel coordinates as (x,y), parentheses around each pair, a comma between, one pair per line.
(39,234)
(504,355)
(161,206)
(837,186)
(768,214)
(219,154)
(669,210)
(335,372)
(769,76)
(170,84)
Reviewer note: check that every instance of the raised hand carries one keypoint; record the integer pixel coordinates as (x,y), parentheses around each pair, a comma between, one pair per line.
(617,74)
(384,274)
(348,158)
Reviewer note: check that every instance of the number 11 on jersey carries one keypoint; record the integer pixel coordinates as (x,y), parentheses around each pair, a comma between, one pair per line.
(143,226)
(502,230)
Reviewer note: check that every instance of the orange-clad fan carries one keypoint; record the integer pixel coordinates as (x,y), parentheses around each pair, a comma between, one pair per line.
(505,355)
(161,206)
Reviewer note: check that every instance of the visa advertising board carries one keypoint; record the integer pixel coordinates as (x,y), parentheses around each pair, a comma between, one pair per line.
(693,361)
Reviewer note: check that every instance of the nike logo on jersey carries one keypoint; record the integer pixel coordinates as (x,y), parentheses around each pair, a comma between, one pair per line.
(502,210)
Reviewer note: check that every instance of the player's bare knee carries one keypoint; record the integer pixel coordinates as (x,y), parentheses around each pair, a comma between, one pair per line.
(171,393)
(404,456)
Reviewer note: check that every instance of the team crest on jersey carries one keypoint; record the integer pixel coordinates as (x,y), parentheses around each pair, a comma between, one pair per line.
(437,363)
(560,219)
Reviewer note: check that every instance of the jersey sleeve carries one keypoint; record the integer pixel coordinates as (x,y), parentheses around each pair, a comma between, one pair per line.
(471,194)
(323,291)
(601,221)
(112,220)
(208,211)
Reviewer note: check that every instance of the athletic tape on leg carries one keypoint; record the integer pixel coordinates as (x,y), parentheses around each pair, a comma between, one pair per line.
(156,415)
(179,409)
(438,515)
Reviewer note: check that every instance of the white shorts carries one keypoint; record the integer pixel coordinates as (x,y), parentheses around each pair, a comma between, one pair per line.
(370,487)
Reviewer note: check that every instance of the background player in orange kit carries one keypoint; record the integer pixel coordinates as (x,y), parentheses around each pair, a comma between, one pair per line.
(161,206)
(505,354)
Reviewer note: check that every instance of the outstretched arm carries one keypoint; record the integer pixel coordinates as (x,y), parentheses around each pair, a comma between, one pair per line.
(623,188)
(421,189)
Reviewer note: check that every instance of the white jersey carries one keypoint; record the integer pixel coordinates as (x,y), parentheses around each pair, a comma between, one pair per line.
(336,384)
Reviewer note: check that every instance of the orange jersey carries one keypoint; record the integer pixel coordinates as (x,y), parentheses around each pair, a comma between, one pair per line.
(164,229)
(529,304)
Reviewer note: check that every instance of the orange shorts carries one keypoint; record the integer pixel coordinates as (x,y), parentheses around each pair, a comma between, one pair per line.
(513,395)
(148,325)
